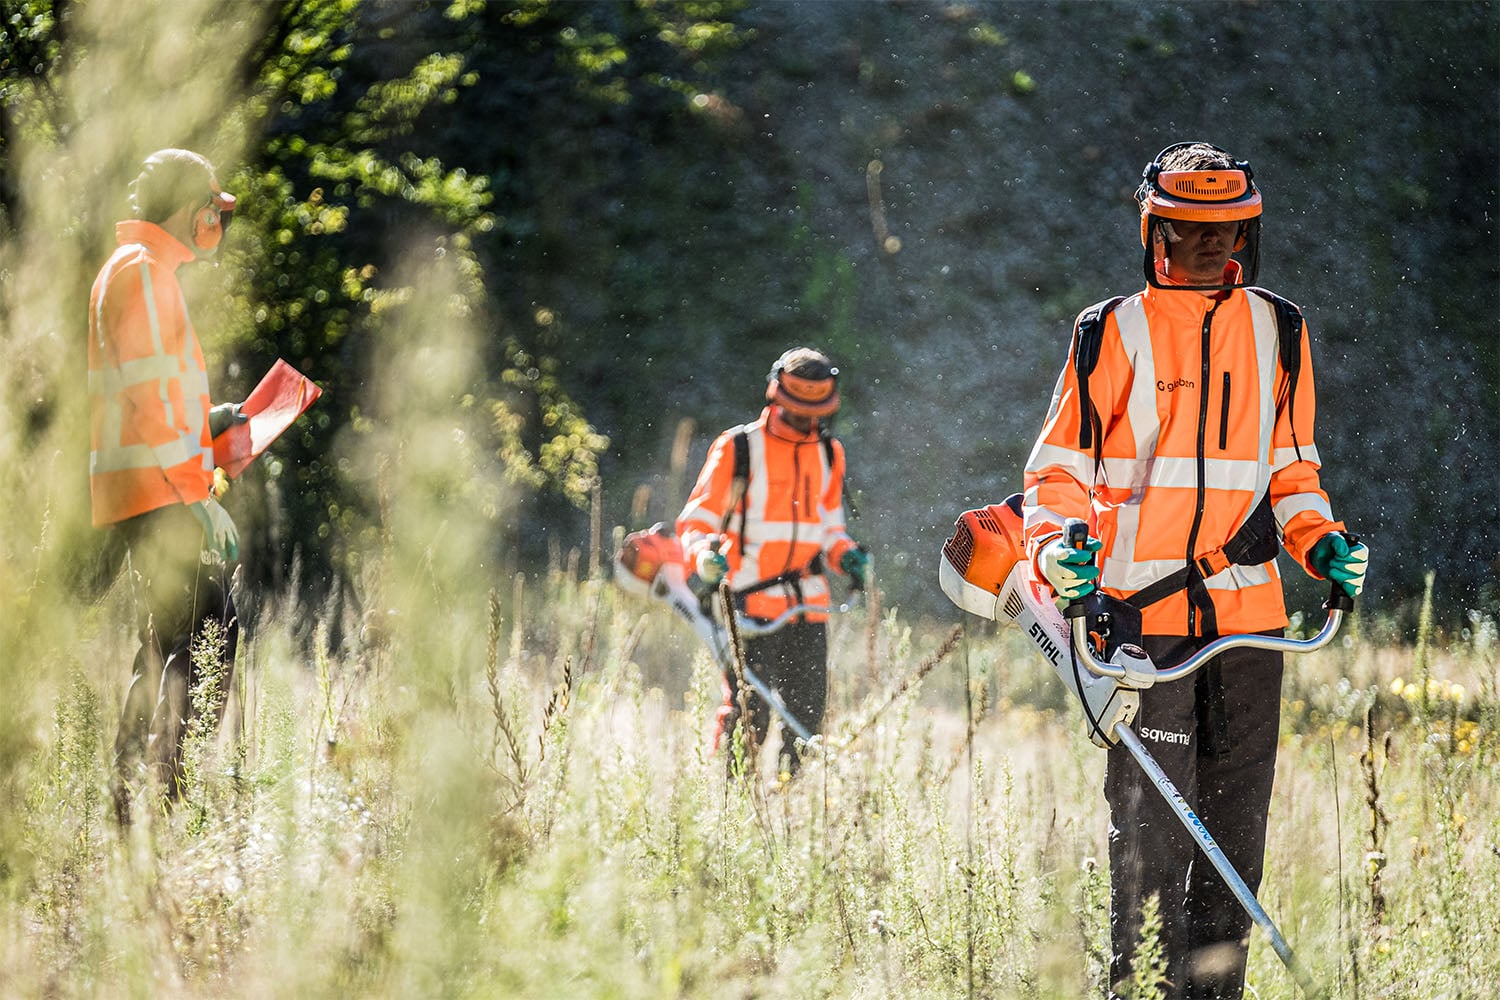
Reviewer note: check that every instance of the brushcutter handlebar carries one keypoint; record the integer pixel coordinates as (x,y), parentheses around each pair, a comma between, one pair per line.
(754,626)
(1337,604)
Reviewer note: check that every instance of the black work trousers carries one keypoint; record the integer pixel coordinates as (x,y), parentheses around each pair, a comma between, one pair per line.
(793,662)
(176,596)
(1214,734)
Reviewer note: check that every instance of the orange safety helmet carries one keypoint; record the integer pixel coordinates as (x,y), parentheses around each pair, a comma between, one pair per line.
(805,382)
(1223,192)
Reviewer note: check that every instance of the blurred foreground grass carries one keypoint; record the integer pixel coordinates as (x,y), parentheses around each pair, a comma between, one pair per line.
(511,795)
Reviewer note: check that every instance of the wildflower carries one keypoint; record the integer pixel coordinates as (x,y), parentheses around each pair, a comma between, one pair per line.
(1398,687)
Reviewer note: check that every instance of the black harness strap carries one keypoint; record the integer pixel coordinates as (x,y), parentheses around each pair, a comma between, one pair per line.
(1289,347)
(1088,335)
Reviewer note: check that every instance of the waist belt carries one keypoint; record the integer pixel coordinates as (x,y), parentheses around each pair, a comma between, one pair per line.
(792,576)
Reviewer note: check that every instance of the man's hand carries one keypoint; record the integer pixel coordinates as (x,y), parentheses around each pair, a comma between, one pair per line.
(855,563)
(1340,560)
(712,566)
(1070,571)
(221,539)
(223,417)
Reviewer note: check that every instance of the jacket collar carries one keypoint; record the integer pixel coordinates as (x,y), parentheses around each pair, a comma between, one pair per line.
(159,243)
(777,427)
(1181,302)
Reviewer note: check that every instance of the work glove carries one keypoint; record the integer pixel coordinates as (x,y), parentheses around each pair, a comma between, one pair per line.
(1335,557)
(711,567)
(223,417)
(1070,571)
(221,539)
(854,563)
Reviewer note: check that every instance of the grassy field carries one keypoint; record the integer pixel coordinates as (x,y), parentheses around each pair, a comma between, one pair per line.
(509,792)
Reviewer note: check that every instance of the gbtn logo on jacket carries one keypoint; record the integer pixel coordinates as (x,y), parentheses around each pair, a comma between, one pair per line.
(1182,383)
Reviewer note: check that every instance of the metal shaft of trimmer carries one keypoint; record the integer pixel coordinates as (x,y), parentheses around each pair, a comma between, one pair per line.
(1199,833)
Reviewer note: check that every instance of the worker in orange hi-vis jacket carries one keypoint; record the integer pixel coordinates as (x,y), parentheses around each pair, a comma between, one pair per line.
(1181,431)
(151,467)
(767,512)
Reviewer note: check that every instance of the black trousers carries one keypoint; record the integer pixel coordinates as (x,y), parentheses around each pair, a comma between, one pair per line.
(1214,734)
(794,663)
(176,595)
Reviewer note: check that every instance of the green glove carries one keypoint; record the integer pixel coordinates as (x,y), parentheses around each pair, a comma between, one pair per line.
(221,539)
(223,417)
(1071,572)
(711,566)
(1340,560)
(855,563)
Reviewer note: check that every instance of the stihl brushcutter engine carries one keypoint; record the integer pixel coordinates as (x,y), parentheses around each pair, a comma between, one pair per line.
(984,571)
(649,564)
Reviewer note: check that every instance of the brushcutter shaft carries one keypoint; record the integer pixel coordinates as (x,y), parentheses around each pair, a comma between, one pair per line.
(1215,855)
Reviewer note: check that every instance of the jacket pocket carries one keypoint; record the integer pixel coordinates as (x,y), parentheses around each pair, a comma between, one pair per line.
(1224,416)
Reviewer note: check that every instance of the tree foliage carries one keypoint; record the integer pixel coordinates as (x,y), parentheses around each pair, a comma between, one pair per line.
(359,136)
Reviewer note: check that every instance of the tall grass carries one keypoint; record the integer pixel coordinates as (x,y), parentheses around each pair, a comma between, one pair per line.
(514,810)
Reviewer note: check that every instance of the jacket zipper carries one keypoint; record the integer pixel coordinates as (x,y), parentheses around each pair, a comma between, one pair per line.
(1200,459)
(797,484)
(1224,416)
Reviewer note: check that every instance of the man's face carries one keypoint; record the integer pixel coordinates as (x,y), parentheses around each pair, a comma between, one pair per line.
(1201,250)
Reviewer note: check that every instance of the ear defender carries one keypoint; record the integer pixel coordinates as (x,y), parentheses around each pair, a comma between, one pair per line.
(211,220)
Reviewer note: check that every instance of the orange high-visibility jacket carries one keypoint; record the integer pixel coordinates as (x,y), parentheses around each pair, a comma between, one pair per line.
(148,389)
(794,511)
(1186,389)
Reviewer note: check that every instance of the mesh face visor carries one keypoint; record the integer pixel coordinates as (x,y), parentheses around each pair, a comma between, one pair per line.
(1214,195)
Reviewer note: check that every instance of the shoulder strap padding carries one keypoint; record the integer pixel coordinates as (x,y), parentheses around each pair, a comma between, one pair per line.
(1289,349)
(1088,335)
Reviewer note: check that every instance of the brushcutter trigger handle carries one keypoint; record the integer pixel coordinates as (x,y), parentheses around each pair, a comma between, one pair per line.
(1338,597)
(1075,536)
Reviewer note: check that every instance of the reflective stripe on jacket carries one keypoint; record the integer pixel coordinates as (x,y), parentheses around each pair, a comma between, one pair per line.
(148,389)
(794,510)
(1192,403)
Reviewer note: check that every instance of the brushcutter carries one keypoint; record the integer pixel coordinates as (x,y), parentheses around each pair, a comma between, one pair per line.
(1093,646)
(649,564)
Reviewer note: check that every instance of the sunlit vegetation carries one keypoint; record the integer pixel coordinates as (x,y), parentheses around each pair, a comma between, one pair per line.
(519,245)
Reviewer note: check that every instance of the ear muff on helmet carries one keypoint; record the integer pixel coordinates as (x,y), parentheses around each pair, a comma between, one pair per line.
(804,382)
(210,221)
(1220,194)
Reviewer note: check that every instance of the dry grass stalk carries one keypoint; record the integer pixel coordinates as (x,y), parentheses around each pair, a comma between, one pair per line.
(909,681)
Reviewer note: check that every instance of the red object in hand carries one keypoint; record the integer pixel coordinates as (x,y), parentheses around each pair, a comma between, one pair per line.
(271,407)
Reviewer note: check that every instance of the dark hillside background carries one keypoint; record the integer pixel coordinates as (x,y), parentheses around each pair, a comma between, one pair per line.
(1000,145)
(641,205)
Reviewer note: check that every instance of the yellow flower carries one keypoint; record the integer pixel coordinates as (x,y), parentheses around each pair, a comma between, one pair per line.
(1398,686)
